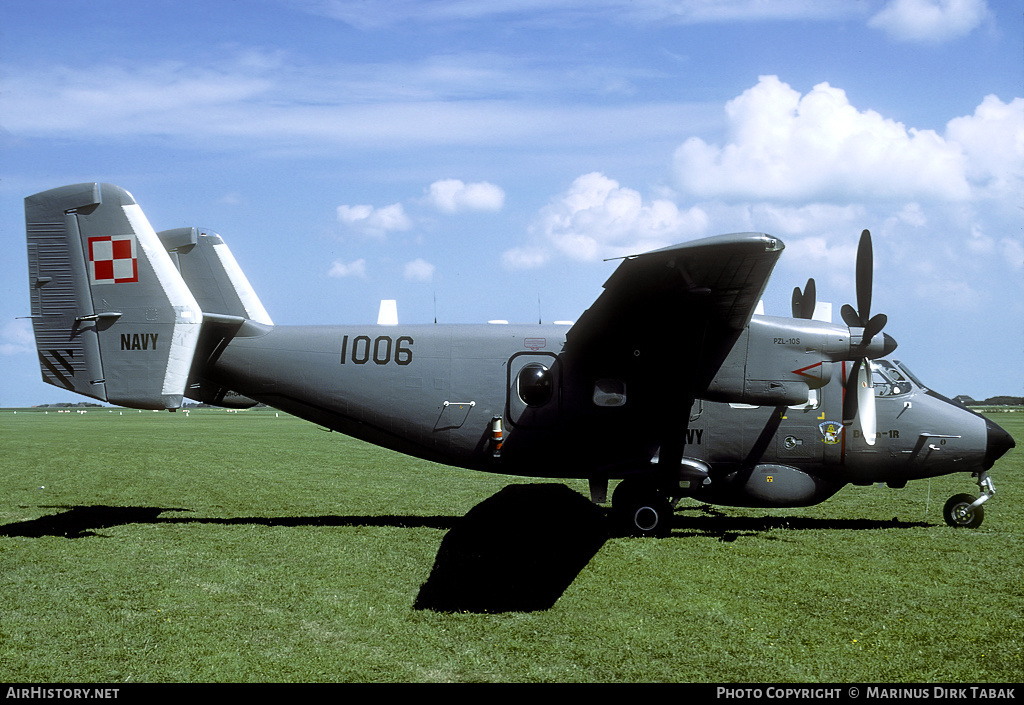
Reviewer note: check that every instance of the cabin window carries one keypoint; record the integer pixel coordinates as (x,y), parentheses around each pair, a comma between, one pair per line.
(534,384)
(609,392)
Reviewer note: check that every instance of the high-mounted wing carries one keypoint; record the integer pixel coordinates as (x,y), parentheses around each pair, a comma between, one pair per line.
(667,320)
(700,293)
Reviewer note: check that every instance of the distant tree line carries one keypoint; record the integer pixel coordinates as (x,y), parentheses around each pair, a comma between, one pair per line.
(68,405)
(991,401)
(83,404)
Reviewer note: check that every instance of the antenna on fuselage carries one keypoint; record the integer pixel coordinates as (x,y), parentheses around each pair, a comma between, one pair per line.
(388,313)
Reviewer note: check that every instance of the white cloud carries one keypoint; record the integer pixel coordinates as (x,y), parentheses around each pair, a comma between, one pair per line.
(596,217)
(993,140)
(929,20)
(814,218)
(453,196)
(818,147)
(1013,253)
(525,257)
(375,222)
(419,270)
(271,103)
(571,13)
(341,269)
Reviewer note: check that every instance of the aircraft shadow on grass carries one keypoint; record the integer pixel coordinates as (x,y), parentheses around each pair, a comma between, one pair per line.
(517,551)
(711,522)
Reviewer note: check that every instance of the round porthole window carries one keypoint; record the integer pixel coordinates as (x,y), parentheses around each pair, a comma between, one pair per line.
(534,384)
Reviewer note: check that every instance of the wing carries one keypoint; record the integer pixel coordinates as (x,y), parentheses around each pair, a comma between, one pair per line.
(700,293)
(667,319)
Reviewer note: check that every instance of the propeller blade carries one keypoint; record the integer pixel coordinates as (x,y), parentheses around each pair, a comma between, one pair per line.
(874,326)
(804,301)
(865,275)
(850,393)
(850,316)
(810,299)
(866,402)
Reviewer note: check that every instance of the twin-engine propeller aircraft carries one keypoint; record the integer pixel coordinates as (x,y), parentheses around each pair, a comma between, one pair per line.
(669,382)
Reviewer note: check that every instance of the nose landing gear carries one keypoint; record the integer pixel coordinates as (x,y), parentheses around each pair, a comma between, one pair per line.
(964,511)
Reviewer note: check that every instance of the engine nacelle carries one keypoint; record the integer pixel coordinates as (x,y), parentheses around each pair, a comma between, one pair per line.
(777,361)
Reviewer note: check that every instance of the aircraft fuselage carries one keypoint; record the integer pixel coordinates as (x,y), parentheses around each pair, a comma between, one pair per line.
(450,383)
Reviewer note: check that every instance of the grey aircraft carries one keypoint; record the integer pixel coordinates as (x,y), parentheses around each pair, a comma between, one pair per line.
(669,382)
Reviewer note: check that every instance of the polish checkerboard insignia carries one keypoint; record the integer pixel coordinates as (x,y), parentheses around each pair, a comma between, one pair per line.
(113,259)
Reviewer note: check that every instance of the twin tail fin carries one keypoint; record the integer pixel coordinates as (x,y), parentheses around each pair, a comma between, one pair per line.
(117,308)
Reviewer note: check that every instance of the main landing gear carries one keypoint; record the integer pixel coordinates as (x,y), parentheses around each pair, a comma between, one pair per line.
(639,508)
(963,510)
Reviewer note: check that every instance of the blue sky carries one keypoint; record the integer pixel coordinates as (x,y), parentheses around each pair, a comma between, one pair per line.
(479,161)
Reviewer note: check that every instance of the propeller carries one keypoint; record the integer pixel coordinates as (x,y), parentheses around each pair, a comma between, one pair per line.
(859,400)
(804,301)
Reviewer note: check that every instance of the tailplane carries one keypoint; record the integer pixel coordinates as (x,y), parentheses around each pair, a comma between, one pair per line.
(113,317)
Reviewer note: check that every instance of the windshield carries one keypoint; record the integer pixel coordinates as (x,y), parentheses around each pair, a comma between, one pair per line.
(888,380)
(911,375)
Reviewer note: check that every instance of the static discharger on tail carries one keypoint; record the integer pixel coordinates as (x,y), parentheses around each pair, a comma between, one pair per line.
(669,382)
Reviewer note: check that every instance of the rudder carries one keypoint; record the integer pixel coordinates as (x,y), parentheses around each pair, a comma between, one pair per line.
(113,319)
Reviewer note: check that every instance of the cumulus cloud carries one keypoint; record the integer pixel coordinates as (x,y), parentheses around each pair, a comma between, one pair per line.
(375,222)
(786,146)
(419,270)
(342,269)
(929,20)
(596,218)
(453,196)
(993,140)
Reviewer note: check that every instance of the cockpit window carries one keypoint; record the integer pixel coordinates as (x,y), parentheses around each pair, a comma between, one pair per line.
(911,375)
(889,381)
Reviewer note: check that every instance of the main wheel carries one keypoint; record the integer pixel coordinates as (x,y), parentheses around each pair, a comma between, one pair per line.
(955,515)
(641,510)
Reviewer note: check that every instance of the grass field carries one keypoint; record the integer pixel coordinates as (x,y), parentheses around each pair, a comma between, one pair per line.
(248,546)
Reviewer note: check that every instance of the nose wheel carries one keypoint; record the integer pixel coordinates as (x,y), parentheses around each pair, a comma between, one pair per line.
(964,511)
(959,512)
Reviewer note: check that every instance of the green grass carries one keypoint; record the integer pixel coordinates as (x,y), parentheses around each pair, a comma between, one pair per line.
(256,547)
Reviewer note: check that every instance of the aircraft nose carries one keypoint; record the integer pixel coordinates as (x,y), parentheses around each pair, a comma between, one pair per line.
(999,441)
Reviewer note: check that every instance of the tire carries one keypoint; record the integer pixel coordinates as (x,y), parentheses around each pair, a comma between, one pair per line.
(641,510)
(972,520)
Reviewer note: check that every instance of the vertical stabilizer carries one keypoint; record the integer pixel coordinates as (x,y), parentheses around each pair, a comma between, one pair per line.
(113,319)
(212,274)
